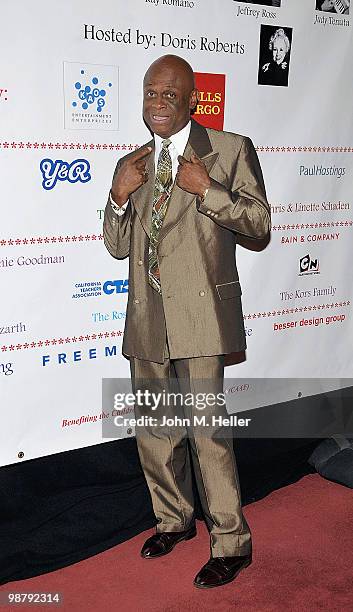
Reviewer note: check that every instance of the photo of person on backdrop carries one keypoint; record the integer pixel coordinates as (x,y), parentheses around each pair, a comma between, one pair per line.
(333,6)
(274,56)
(181,292)
(275,3)
(174,208)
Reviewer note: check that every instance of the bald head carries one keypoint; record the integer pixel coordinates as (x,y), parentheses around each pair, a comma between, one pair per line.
(169,95)
(176,64)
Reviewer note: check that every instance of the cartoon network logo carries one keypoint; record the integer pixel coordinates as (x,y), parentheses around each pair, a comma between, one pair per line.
(59,170)
(307,265)
(98,288)
(210,108)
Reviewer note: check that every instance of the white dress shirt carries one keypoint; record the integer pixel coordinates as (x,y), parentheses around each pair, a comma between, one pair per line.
(176,148)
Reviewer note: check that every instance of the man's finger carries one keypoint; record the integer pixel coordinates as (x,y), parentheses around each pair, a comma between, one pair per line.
(182,160)
(140,164)
(194,159)
(141,153)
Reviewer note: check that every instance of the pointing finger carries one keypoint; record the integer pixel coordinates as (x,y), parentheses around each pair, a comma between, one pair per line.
(194,159)
(141,153)
(140,164)
(182,160)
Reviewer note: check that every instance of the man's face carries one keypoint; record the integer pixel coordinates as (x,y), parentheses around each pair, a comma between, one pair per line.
(279,50)
(168,98)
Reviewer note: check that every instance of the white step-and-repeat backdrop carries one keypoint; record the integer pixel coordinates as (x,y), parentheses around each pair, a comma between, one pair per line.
(70,106)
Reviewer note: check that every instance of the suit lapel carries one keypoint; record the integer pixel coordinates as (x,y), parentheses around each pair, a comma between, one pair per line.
(180,200)
(142,199)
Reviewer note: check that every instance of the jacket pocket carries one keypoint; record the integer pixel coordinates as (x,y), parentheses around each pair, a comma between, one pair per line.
(227,291)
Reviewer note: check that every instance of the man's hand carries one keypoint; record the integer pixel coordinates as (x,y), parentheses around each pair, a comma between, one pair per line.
(192,175)
(130,176)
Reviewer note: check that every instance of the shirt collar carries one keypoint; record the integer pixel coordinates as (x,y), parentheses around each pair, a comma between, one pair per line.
(179,140)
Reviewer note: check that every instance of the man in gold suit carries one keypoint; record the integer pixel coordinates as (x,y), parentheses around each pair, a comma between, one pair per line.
(175,208)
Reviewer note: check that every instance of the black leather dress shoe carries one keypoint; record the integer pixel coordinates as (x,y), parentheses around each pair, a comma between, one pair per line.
(220,570)
(162,543)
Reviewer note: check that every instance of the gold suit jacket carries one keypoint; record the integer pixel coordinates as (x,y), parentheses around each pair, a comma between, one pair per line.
(200,305)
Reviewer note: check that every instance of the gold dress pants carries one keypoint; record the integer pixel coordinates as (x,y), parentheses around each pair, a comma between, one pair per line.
(166,453)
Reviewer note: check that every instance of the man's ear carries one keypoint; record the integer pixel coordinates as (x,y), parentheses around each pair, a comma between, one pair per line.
(194,98)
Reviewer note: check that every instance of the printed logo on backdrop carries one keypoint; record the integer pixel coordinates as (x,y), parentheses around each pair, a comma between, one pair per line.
(307,265)
(14,328)
(274,55)
(210,109)
(333,6)
(265,14)
(176,3)
(114,315)
(73,357)
(99,288)
(316,170)
(25,261)
(90,96)
(339,8)
(6,369)
(77,171)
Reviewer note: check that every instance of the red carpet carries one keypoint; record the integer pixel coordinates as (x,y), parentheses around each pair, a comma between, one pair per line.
(303,560)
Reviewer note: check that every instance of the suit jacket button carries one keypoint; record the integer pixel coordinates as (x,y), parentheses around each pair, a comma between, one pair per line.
(136,301)
(140,262)
(201,293)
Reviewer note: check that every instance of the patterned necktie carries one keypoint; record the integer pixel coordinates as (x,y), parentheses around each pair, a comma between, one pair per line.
(162,189)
